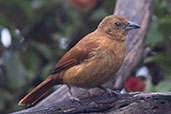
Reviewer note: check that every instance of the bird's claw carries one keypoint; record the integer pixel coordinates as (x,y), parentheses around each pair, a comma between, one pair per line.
(111,92)
(72,98)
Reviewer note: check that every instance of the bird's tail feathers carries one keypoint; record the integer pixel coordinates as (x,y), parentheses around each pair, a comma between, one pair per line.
(39,91)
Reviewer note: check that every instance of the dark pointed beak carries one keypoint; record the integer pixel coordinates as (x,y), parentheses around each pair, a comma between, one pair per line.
(132,25)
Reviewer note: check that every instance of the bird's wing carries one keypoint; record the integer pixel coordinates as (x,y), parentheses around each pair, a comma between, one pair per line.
(75,56)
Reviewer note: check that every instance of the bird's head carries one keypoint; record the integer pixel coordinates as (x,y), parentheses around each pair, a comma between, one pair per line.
(117,27)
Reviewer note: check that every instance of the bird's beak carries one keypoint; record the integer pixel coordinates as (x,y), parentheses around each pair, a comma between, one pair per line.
(132,25)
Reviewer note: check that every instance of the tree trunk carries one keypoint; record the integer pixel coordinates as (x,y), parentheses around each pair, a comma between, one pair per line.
(139,11)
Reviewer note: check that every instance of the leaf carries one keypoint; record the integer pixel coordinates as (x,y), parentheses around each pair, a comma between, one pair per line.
(98,14)
(165,62)
(164,27)
(32,64)
(45,71)
(43,49)
(15,68)
(154,37)
(164,86)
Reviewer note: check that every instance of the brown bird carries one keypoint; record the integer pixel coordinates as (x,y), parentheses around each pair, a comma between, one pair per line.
(92,61)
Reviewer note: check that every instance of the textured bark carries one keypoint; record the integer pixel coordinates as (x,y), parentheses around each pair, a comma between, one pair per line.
(132,103)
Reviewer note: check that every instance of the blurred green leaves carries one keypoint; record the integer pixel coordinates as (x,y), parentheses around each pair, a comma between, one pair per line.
(158,38)
(43,49)
(163,61)
(15,69)
(163,86)
(165,25)
(161,23)
(99,14)
(154,36)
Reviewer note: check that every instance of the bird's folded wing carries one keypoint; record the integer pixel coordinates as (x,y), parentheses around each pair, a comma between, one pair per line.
(65,65)
(75,56)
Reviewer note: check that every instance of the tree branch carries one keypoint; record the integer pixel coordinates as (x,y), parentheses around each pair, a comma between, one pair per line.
(132,103)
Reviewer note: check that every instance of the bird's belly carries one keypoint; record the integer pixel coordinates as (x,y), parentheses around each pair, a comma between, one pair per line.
(92,73)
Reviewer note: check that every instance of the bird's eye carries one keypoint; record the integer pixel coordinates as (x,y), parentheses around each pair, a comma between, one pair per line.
(118,24)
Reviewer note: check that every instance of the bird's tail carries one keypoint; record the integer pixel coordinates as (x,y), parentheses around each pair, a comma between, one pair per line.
(39,91)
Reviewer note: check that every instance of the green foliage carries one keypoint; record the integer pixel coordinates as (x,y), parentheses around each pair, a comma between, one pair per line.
(154,36)
(32,64)
(163,86)
(15,67)
(43,49)
(99,14)
(164,62)
(158,38)
(165,25)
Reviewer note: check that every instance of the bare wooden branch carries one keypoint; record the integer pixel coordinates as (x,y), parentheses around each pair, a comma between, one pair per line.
(132,103)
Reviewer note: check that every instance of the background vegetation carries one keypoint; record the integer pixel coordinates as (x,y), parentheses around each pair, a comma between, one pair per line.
(42,31)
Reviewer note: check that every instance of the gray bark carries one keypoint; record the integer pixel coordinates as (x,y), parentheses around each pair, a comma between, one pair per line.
(130,103)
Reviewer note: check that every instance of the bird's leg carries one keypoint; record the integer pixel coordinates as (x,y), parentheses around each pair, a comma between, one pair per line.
(71,97)
(111,92)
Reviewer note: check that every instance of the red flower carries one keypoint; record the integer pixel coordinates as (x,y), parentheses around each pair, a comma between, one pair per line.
(135,84)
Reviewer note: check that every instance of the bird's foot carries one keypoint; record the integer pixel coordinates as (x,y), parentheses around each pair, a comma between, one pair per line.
(72,98)
(111,92)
